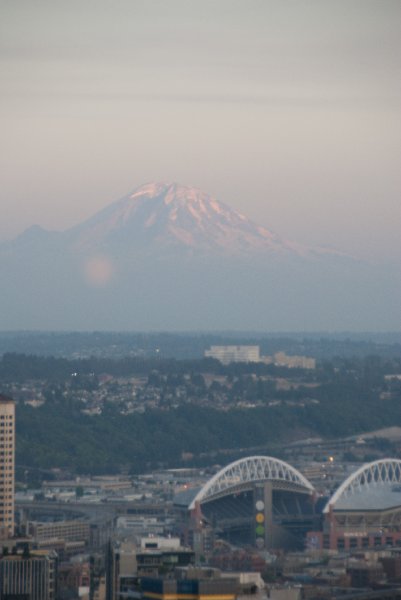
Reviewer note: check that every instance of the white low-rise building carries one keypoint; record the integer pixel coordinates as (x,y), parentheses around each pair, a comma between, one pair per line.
(229,354)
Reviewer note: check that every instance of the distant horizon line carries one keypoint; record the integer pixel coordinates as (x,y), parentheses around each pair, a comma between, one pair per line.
(200,332)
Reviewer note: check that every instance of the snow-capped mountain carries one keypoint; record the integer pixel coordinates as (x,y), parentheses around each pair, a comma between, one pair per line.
(167,219)
(168,216)
(168,256)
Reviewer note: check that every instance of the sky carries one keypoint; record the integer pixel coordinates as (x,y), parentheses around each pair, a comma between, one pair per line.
(287,111)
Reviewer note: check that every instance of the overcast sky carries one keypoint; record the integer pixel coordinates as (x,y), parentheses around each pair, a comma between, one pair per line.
(288,111)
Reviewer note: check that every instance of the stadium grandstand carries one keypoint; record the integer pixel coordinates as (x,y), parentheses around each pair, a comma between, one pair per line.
(258,500)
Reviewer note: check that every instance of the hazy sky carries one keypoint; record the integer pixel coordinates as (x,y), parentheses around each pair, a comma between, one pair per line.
(286,110)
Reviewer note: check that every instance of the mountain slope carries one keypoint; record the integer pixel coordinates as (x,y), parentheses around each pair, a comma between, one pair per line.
(169,215)
(169,257)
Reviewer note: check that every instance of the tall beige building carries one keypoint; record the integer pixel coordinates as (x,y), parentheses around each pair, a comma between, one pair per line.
(7,466)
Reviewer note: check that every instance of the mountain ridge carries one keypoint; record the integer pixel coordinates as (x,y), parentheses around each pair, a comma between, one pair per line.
(171,257)
(175,217)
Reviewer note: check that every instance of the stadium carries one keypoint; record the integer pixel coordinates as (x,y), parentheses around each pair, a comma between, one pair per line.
(267,503)
(365,511)
(258,500)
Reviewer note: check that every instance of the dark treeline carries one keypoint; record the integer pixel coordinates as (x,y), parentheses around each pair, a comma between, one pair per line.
(54,436)
(23,367)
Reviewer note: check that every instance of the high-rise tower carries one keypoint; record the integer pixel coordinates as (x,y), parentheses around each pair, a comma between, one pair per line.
(7,466)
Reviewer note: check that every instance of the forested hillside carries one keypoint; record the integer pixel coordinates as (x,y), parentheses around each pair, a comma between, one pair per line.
(100,416)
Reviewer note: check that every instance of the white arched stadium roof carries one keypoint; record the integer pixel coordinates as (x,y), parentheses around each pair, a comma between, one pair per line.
(376,485)
(252,468)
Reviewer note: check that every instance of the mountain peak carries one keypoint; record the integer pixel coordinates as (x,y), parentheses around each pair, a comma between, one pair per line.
(174,216)
(174,193)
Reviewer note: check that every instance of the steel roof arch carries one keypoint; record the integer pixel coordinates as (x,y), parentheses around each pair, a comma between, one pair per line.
(385,470)
(251,468)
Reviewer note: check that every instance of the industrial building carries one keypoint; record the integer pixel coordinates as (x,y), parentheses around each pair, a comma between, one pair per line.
(70,531)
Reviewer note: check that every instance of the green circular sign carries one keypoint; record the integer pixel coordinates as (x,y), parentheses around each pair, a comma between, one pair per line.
(260,530)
